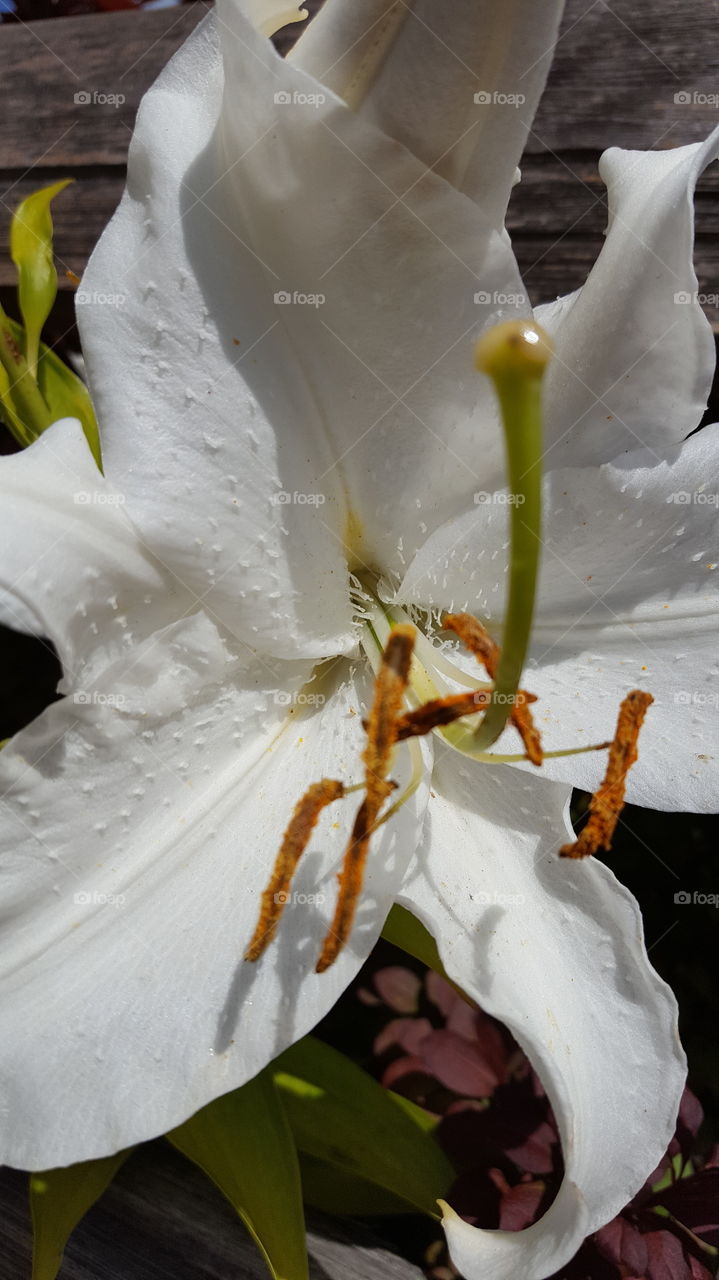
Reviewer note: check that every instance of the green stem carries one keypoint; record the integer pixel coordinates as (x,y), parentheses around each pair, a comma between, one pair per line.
(514,356)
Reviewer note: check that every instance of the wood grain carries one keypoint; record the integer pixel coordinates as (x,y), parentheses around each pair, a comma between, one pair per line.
(614,79)
(163,1220)
(50,69)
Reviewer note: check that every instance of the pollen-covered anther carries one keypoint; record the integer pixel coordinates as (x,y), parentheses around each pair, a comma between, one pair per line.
(294,842)
(521,718)
(477,639)
(607,802)
(390,688)
(440,712)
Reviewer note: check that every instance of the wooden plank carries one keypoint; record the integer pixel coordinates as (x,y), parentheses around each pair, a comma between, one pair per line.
(551,267)
(71,86)
(556,219)
(616,71)
(615,75)
(80,213)
(162,1218)
(556,191)
(635,76)
(557,216)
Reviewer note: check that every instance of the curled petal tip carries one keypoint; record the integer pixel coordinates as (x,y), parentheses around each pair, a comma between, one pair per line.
(448,1213)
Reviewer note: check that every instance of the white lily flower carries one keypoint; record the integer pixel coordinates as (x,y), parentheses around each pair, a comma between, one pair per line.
(259,451)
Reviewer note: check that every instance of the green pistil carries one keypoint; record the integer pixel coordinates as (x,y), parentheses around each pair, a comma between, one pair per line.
(514,355)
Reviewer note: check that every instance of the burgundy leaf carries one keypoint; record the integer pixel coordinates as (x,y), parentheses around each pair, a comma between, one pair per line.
(460,1064)
(399,988)
(667,1260)
(694,1201)
(406,1033)
(623,1245)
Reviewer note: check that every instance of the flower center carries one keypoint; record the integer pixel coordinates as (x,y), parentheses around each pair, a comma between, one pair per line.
(419,690)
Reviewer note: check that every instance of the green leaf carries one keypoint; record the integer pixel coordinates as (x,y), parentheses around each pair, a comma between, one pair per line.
(31,251)
(65,395)
(330,1189)
(243,1142)
(59,1199)
(424,1120)
(343,1117)
(405,931)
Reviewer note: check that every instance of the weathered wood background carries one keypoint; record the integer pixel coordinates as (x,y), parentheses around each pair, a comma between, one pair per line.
(615,79)
(163,1220)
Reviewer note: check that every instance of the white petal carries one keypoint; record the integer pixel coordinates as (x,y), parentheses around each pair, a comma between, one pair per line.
(216,425)
(458,85)
(351,398)
(72,567)
(556,952)
(635,353)
(269,16)
(628,598)
(139,831)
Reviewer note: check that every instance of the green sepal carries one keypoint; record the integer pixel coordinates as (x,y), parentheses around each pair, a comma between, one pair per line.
(341,1116)
(8,413)
(23,407)
(31,251)
(59,1199)
(63,393)
(243,1142)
